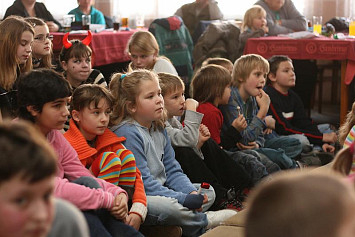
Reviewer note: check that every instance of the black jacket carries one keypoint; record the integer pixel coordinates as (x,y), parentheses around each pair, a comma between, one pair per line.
(18,9)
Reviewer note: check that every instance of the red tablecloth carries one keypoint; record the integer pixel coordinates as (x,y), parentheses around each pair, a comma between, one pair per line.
(316,48)
(107,46)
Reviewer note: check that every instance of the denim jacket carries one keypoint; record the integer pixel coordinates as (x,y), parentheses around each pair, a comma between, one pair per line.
(256,126)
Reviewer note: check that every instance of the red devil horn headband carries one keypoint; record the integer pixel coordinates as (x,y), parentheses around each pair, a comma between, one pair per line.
(67,44)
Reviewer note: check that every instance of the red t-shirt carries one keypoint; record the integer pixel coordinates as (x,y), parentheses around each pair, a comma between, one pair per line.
(213,119)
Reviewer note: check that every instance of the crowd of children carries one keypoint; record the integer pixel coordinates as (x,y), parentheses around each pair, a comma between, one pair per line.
(136,152)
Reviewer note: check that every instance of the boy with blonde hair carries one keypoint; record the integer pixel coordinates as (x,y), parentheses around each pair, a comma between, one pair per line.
(201,158)
(248,97)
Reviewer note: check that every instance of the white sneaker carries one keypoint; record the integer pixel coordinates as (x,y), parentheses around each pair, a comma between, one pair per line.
(214,218)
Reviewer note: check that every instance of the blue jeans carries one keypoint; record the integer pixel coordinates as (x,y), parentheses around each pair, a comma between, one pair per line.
(279,157)
(167,211)
(291,146)
(101,222)
(306,145)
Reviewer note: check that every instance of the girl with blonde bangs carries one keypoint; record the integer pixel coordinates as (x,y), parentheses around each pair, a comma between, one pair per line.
(138,115)
(42,44)
(143,49)
(16,37)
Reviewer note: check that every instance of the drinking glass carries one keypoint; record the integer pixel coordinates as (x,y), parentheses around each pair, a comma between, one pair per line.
(86,21)
(140,21)
(317,24)
(124,22)
(352,26)
(67,20)
(116,23)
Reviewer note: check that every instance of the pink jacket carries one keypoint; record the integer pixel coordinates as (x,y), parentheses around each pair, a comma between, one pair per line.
(69,169)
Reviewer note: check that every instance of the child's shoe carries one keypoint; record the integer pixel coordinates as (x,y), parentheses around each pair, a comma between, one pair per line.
(214,218)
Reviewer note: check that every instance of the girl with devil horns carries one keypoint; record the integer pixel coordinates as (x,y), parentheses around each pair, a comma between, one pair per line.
(75,59)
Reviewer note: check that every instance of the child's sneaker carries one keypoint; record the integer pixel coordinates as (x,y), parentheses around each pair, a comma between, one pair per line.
(214,218)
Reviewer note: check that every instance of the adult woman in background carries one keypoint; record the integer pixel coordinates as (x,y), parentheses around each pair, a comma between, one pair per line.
(282,16)
(32,8)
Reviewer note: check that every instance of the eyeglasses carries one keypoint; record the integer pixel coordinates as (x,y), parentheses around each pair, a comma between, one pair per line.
(42,38)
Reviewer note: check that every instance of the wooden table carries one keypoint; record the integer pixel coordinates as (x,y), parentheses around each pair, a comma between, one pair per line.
(316,48)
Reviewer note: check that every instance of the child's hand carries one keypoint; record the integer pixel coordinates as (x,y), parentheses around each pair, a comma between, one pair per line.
(191,104)
(267,131)
(270,122)
(240,123)
(205,200)
(120,208)
(203,135)
(263,101)
(328,148)
(251,145)
(330,137)
(133,220)
(265,29)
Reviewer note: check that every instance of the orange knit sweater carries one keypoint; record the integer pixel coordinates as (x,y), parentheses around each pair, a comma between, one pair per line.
(107,142)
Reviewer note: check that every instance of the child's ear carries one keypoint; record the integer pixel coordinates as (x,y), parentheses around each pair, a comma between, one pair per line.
(272,77)
(32,110)
(155,55)
(75,115)
(64,65)
(132,108)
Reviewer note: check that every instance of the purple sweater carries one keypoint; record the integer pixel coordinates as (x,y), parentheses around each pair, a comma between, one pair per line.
(69,169)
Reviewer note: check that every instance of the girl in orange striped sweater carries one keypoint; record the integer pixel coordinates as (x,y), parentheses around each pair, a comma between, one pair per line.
(100,150)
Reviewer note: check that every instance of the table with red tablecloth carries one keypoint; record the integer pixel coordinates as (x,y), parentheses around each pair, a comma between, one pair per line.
(107,46)
(315,48)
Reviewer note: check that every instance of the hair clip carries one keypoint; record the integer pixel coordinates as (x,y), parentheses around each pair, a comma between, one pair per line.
(67,44)
(122,76)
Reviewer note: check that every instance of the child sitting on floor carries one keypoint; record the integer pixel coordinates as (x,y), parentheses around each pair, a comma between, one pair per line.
(27,204)
(100,150)
(75,59)
(211,88)
(248,98)
(16,37)
(42,44)
(199,156)
(297,204)
(226,63)
(138,115)
(287,109)
(143,50)
(43,97)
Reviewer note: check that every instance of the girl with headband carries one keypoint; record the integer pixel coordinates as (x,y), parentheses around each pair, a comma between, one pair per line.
(75,59)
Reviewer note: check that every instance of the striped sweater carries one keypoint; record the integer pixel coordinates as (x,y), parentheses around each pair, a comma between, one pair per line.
(106,142)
